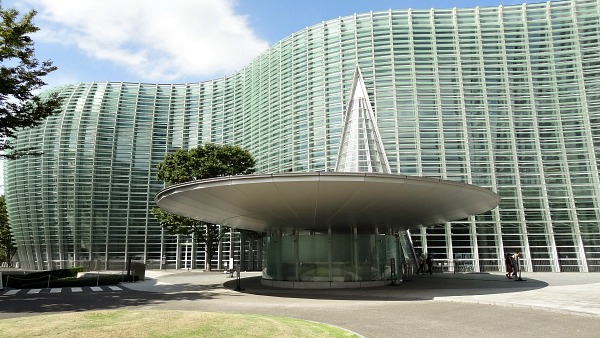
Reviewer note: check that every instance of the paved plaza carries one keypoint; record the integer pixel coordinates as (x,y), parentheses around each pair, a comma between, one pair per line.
(573,293)
(471,304)
(441,305)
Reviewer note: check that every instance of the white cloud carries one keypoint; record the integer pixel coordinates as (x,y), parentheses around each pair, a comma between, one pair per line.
(155,40)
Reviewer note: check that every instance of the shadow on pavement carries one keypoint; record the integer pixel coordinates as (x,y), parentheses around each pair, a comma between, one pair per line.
(24,304)
(416,288)
(202,286)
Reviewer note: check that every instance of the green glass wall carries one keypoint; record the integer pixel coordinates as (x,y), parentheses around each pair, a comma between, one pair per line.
(506,98)
(305,256)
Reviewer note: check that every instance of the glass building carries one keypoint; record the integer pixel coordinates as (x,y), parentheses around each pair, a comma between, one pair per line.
(346,228)
(506,98)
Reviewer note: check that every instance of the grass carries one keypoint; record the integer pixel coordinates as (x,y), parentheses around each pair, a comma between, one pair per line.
(154,323)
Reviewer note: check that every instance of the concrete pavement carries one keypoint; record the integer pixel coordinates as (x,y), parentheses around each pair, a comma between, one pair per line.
(442,305)
(573,293)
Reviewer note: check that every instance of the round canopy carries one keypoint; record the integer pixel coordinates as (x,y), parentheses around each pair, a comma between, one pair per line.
(323,200)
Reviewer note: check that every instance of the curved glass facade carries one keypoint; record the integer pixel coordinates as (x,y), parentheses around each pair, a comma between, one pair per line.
(506,98)
(332,257)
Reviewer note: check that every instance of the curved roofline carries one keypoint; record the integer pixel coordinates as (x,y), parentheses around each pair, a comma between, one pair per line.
(299,176)
(325,200)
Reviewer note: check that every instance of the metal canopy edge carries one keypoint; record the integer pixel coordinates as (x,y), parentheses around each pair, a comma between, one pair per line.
(323,200)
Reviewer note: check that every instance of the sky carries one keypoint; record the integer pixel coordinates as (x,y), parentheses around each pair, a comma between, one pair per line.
(179,41)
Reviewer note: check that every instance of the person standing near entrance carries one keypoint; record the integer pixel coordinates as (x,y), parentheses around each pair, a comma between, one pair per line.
(421,262)
(514,259)
(429,262)
(508,264)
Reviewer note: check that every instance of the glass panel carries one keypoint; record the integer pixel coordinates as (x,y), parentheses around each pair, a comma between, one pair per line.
(314,257)
(342,268)
(367,257)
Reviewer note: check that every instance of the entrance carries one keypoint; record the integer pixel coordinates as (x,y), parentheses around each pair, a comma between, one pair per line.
(185,256)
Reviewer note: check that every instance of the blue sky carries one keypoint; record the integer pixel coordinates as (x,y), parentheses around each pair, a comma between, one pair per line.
(179,41)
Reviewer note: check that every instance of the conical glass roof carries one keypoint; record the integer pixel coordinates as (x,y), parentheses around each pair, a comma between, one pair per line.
(361,149)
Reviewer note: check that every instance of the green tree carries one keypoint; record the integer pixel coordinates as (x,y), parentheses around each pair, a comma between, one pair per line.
(20,76)
(207,161)
(7,245)
(210,160)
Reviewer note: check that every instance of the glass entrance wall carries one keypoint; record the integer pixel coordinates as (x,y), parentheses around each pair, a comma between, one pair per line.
(330,257)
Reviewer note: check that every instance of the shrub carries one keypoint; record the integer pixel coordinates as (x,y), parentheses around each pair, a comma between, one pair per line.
(20,281)
(77,282)
(61,278)
(59,273)
(4,278)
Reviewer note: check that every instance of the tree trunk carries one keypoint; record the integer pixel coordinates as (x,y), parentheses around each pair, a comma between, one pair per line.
(209,254)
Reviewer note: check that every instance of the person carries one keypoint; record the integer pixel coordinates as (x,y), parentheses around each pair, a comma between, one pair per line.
(514,260)
(421,262)
(429,262)
(508,264)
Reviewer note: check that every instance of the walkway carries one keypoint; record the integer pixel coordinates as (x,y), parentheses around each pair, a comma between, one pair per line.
(442,305)
(451,305)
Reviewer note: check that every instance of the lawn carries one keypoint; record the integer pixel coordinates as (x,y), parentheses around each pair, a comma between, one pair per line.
(151,323)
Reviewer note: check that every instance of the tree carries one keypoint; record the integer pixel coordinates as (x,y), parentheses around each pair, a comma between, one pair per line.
(207,161)
(210,160)
(20,76)
(7,245)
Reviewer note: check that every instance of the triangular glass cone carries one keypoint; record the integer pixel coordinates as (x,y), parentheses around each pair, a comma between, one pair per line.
(361,149)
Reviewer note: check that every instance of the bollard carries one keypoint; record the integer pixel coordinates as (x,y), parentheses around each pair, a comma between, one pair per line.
(519,279)
(129,269)
(239,286)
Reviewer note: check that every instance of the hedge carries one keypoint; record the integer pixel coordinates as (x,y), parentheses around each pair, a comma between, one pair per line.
(74,282)
(61,278)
